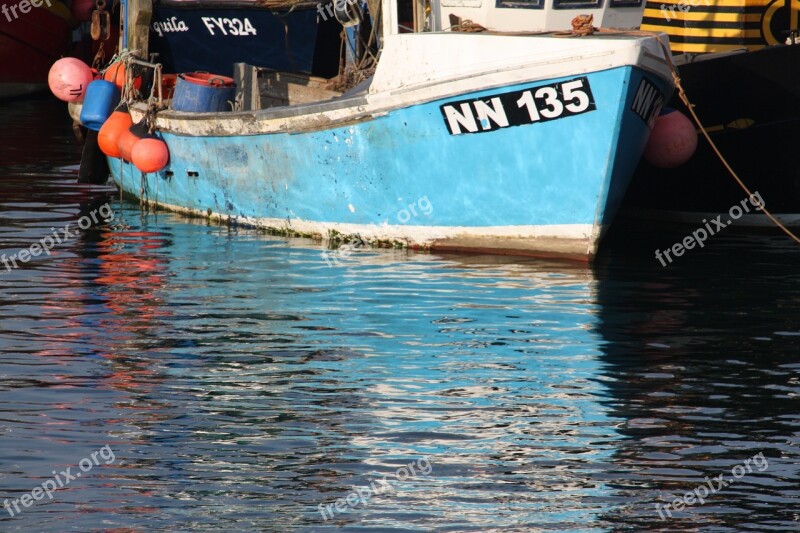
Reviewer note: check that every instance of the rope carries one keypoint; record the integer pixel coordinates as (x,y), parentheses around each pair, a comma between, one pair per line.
(100,56)
(363,63)
(287,4)
(690,107)
(154,100)
(582,25)
(119,60)
(467,26)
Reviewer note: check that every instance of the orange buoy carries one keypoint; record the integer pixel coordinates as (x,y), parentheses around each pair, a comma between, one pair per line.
(68,79)
(150,154)
(108,137)
(128,138)
(116,72)
(672,141)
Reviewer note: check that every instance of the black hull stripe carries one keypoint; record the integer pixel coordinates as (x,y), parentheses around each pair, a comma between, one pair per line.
(716,40)
(706,24)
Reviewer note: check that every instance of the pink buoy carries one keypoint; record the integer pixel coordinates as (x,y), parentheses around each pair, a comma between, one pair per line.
(68,79)
(672,141)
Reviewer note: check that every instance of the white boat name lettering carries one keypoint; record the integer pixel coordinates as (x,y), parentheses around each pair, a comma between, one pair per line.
(647,102)
(229,26)
(518,108)
(168,26)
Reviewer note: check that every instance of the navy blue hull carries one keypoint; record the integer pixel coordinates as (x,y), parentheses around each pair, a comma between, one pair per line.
(749,104)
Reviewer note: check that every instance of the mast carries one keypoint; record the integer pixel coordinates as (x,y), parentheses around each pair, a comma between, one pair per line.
(137,28)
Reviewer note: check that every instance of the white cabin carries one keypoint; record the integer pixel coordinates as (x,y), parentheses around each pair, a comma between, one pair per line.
(401,16)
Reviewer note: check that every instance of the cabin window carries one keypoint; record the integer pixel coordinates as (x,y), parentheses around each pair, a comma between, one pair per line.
(414,16)
(626,3)
(576,4)
(524,4)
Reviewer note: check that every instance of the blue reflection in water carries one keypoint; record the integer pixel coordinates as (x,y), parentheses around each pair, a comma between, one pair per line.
(239,378)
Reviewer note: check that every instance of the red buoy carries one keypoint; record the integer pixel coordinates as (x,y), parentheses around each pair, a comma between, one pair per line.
(672,141)
(68,79)
(129,138)
(108,138)
(150,154)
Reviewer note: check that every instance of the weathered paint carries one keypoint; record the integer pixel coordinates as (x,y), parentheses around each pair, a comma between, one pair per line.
(420,68)
(549,187)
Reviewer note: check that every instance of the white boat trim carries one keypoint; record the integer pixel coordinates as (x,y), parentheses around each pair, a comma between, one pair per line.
(567,240)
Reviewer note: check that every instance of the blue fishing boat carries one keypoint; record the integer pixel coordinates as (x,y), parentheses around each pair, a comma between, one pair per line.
(459,125)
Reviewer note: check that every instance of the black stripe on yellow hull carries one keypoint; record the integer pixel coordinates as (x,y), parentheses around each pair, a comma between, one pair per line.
(701,5)
(679,39)
(725,12)
(654,24)
(719,25)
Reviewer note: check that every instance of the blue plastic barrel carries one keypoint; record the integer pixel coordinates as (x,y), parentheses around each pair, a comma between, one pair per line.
(98,104)
(202,92)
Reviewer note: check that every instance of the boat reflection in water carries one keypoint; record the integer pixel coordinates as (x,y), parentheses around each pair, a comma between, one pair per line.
(244,378)
(238,376)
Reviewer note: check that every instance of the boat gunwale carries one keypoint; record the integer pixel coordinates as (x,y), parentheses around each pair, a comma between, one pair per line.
(366,105)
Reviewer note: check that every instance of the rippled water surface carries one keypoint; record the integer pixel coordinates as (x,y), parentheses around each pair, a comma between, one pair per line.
(226,380)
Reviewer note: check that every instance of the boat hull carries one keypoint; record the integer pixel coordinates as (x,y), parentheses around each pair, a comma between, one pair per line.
(402,177)
(13,90)
(29,45)
(745,101)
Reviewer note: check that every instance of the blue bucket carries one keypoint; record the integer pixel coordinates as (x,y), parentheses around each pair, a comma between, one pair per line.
(202,92)
(98,104)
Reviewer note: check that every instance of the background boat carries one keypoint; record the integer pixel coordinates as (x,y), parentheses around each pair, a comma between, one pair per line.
(30,43)
(745,85)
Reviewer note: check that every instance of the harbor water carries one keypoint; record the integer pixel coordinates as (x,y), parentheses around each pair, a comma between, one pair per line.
(160,373)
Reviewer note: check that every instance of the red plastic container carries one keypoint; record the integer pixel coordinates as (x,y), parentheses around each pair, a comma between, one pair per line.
(204,78)
(203,92)
(168,85)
